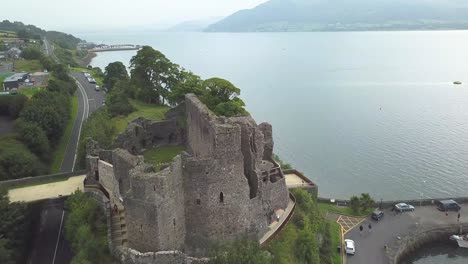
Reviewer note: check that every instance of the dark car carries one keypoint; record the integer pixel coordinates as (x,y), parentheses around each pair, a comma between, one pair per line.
(377,215)
(447,205)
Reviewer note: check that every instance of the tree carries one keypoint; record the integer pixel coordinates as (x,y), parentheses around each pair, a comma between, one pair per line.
(31,53)
(221,96)
(19,163)
(113,73)
(243,251)
(17,104)
(6,254)
(50,110)
(68,87)
(2,46)
(118,104)
(366,201)
(34,137)
(355,203)
(153,74)
(187,82)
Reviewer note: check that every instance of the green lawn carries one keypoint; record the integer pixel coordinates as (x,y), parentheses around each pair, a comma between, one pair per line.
(162,156)
(28,66)
(149,111)
(336,236)
(324,207)
(60,151)
(29,92)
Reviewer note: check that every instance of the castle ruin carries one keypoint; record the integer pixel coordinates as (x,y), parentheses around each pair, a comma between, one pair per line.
(225,184)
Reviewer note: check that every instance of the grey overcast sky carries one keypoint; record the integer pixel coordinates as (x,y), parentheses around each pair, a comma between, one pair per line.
(109,14)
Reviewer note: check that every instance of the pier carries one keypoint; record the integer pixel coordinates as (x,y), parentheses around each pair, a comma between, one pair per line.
(117,47)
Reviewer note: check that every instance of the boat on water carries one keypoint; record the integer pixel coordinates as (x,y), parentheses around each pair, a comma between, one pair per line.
(462,240)
(457,82)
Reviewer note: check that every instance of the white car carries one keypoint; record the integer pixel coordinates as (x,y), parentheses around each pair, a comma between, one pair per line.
(97,88)
(404,207)
(349,247)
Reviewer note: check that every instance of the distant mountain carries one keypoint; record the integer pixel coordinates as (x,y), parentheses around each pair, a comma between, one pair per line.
(194,25)
(345,15)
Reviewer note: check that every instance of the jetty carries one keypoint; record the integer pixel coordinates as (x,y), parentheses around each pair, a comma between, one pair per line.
(116,47)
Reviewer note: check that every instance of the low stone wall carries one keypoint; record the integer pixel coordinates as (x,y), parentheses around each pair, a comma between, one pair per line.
(390,204)
(17,183)
(131,256)
(416,240)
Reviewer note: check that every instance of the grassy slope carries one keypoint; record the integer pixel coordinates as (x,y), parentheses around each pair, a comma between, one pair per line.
(336,234)
(342,210)
(149,111)
(28,66)
(60,151)
(163,155)
(29,92)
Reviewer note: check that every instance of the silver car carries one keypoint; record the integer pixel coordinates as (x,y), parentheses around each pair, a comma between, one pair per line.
(403,207)
(350,248)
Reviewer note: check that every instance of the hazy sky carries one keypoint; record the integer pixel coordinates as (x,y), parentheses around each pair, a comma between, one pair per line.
(79,14)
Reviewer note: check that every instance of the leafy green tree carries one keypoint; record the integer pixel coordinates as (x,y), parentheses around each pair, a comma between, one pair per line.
(118,104)
(17,104)
(34,137)
(50,110)
(355,203)
(366,201)
(31,53)
(153,74)
(326,247)
(2,46)
(85,228)
(241,251)
(187,82)
(221,96)
(6,254)
(47,62)
(114,72)
(61,72)
(69,87)
(18,163)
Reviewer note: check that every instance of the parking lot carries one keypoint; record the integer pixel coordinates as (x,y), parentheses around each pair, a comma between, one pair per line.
(370,243)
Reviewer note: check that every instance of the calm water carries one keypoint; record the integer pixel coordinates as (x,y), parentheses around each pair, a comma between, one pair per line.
(356,112)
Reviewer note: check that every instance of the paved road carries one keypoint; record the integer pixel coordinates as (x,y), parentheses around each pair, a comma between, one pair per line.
(50,245)
(95,98)
(370,246)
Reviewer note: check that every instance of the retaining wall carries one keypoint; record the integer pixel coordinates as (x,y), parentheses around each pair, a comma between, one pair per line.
(11,184)
(416,240)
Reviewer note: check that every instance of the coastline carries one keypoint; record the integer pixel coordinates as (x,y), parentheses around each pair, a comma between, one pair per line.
(87,60)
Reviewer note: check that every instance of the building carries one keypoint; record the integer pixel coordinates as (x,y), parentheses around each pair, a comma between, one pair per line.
(224,186)
(14,81)
(14,53)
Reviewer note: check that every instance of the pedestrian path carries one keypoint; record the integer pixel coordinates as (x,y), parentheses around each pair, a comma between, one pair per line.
(47,191)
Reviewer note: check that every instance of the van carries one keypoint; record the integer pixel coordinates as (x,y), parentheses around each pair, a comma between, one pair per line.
(447,205)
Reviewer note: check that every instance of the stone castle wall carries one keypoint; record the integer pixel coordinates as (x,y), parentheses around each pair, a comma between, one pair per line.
(226,185)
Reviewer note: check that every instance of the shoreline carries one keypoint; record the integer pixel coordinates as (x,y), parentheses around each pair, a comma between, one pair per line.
(87,60)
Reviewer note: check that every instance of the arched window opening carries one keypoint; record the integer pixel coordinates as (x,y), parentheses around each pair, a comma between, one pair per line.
(221,197)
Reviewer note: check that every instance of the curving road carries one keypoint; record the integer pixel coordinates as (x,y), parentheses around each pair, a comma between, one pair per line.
(49,243)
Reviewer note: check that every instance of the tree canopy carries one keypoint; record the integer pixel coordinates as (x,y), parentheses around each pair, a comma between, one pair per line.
(113,73)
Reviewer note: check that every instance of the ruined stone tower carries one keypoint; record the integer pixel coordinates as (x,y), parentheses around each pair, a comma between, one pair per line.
(225,185)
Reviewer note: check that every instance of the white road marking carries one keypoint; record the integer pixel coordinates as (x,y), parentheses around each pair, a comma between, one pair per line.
(58,237)
(85,116)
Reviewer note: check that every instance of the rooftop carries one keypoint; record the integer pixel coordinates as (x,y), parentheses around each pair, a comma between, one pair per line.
(15,77)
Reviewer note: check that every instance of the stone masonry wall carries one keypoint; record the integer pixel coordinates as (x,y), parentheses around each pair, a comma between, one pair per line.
(154,208)
(107,178)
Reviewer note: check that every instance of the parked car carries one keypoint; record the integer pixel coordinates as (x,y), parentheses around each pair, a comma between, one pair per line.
(349,247)
(403,207)
(91,80)
(447,205)
(377,215)
(97,88)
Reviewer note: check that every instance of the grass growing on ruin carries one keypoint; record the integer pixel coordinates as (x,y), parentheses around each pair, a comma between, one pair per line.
(162,155)
(28,66)
(60,151)
(344,210)
(149,111)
